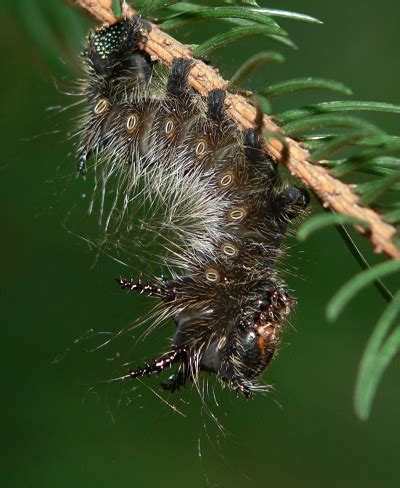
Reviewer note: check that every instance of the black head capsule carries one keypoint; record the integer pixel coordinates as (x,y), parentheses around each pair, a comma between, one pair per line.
(243,348)
(114,51)
(241,355)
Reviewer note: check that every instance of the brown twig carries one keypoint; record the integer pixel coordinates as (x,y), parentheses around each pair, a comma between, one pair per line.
(203,78)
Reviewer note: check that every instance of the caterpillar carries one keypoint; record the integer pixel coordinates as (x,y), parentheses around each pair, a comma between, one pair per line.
(225,209)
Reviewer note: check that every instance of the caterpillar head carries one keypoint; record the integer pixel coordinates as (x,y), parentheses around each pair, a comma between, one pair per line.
(243,344)
(113,51)
(250,344)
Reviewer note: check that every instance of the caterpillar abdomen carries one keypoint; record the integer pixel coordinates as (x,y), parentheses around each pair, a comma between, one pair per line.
(224,207)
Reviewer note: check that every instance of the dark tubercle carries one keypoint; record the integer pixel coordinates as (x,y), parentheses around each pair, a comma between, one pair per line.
(215,102)
(252,146)
(178,78)
(255,153)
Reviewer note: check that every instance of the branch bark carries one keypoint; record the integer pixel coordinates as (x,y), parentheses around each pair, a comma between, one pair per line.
(203,78)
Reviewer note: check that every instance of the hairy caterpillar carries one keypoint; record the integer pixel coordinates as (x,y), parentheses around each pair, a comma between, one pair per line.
(225,209)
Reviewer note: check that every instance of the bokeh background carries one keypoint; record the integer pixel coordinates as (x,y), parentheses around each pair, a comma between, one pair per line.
(61,426)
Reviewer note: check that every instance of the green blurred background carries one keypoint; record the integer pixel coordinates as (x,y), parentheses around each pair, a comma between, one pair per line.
(61,426)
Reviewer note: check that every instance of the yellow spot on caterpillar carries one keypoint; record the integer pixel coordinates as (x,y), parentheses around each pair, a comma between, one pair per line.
(237,214)
(226,180)
(229,249)
(221,342)
(212,275)
(101,106)
(169,127)
(201,148)
(131,122)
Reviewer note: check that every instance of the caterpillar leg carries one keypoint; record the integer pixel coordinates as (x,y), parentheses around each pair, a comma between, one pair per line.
(159,365)
(165,292)
(291,202)
(176,381)
(242,388)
